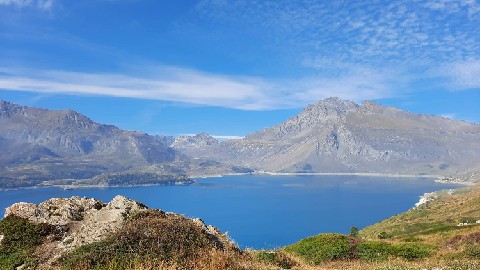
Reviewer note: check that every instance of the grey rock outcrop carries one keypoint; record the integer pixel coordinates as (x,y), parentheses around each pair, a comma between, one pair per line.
(79,221)
(88,220)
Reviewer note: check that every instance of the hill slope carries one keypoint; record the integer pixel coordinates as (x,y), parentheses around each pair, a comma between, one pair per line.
(60,145)
(335,135)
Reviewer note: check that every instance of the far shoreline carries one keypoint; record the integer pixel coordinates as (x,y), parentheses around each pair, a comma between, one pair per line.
(436,178)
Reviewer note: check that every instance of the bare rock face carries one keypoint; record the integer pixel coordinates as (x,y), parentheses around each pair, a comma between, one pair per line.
(83,220)
(102,221)
(56,211)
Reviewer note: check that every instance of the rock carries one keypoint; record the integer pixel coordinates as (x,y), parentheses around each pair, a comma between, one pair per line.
(1,238)
(79,221)
(97,224)
(86,220)
(200,223)
(21,209)
(56,211)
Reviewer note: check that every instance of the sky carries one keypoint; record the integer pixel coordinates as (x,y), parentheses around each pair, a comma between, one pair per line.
(229,68)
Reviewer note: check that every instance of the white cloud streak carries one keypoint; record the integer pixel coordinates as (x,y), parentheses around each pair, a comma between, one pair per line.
(464,74)
(40,4)
(199,88)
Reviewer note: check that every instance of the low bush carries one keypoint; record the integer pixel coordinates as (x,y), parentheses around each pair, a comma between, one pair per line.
(384,235)
(21,237)
(375,251)
(473,251)
(275,258)
(413,251)
(324,247)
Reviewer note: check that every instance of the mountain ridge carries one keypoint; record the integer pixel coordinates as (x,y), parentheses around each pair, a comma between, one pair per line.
(49,145)
(338,136)
(329,136)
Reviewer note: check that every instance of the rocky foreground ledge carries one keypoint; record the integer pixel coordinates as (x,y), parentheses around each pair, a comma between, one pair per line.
(53,229)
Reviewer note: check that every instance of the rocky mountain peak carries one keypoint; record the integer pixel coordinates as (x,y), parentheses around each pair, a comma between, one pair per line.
(329,109)
(332,105)
(199,140)
(7,108)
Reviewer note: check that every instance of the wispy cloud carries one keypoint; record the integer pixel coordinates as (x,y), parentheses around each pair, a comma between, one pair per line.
(460,75)
(355,50)
(200,88)
(169,84)
(40,4)
(415,31)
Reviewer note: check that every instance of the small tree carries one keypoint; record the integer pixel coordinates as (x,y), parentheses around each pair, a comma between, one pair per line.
(354,231)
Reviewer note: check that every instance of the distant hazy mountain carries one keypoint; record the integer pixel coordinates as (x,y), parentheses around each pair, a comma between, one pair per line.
(39,144)
(198,141)
(335,135)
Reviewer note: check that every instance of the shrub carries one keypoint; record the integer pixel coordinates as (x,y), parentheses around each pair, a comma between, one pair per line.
(324,247)
(374,251)
(384,235)
(19,242)
(275,258)
(413,251)
(473,251)
(411,238)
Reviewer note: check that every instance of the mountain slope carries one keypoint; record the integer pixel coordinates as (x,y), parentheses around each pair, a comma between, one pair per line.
(335,135)
(65,147)
(39,144)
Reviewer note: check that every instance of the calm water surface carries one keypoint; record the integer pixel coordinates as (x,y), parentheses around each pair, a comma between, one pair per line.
(261,211)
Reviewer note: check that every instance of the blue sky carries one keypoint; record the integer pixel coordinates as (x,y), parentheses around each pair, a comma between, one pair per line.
(232,67)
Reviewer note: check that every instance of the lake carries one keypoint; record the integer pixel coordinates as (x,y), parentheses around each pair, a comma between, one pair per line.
(263,211)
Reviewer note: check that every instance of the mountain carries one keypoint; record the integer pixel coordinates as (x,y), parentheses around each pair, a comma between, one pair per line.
(39,145)
(64,147)
(198,141)
(340,136)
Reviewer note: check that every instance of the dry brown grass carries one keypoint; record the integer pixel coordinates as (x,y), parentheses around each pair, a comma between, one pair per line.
(154,240)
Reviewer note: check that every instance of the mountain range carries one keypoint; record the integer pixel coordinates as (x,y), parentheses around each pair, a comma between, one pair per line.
(339,136)
(64,146)
(330,136)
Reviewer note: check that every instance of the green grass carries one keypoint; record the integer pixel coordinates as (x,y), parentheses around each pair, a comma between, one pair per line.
(433,218)
(336,247)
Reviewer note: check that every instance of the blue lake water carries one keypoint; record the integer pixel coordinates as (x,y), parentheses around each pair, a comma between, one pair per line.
(261,211)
